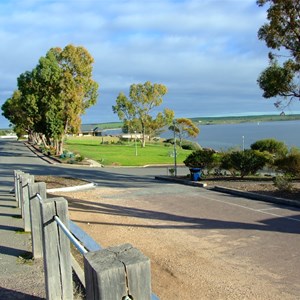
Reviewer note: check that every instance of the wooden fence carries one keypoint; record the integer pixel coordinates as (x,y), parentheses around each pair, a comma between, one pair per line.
(120,272)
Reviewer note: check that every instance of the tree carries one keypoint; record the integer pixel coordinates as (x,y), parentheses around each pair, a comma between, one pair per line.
(155,125)
(53,96)
(144,98)
(21,109)
(281,33)
(184,128)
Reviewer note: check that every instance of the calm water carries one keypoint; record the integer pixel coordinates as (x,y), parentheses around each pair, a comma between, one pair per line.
(222,137)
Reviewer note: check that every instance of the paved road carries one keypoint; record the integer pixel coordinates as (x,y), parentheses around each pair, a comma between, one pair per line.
(14,155)
(270,232)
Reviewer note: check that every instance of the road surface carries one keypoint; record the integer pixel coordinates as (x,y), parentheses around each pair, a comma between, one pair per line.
(265,234)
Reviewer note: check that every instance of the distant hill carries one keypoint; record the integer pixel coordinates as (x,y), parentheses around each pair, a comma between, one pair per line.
(244,119)
(210,120)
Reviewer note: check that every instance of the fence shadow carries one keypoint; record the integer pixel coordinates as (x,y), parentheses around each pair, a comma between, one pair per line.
(8,294)
(11,228)
(12,252)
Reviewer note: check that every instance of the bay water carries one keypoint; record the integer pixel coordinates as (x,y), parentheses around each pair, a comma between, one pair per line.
(223,137)
(242,135)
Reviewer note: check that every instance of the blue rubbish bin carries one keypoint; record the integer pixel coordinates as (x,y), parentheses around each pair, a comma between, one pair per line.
(195,174)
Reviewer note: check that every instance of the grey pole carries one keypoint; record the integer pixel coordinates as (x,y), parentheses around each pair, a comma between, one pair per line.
(175,154)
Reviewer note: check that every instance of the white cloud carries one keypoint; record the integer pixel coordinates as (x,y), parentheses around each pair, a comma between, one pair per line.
(204,49)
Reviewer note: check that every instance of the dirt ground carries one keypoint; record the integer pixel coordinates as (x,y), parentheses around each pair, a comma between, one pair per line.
(265,187)
(175,275)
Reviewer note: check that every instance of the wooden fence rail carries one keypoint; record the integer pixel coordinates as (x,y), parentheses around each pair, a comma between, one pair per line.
(120,272)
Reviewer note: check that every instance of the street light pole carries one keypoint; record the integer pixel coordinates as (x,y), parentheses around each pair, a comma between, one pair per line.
(243,142)
(135,145)
(175,154)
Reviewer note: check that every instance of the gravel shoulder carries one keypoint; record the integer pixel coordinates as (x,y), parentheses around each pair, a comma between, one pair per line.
(20,277)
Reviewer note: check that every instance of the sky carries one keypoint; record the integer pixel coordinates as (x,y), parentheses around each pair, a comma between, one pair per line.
(205,51)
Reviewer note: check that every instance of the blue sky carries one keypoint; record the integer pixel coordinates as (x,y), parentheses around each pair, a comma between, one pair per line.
(205,51)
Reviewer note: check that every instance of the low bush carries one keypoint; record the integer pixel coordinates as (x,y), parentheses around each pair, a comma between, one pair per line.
(79,158)
(277,148)
(245,162)
(200,159)
(290,164)
(188,145)
(283,183)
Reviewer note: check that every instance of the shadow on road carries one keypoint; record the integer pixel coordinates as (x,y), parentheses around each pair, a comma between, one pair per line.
(278,224)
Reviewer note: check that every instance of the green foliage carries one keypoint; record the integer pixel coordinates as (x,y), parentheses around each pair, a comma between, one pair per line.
(188,145)
(276,80)
(226,163)
(203,158)
(290,164)
(245,162)
(184,127)
(283,183)
(281,33)
(277,148)
(79,157)
(52,97)
(136,111)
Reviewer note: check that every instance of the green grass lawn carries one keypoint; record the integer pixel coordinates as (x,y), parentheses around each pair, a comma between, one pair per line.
(125,154)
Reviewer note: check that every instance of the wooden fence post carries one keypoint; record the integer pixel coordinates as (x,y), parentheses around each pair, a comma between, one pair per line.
(35,217)
(116,272)
(56,250)
(21,179)
(26,179)
(17,177)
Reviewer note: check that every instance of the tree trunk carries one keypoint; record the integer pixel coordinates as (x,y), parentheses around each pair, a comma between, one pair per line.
(59,146)
(30,137)
(44,141)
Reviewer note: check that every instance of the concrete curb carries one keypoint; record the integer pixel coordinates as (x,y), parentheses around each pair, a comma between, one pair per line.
(182,181)
(53,160)
(73,188)
(39,154)
(256,196)
(245,194)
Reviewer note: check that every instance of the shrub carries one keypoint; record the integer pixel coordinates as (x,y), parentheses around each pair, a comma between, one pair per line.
(283,183)
(79,157)
(200,159)
(226,163)
(171,141)
(290,164)
(272,146)
(187,145)
(245,162)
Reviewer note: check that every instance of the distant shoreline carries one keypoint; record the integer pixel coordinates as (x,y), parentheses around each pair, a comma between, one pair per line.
(214,120)
(245,119)
(206,121)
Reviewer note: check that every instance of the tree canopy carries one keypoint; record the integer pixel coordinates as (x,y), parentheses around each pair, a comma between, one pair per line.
(281,33)
(137,111)
(184,127)
(52,97)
